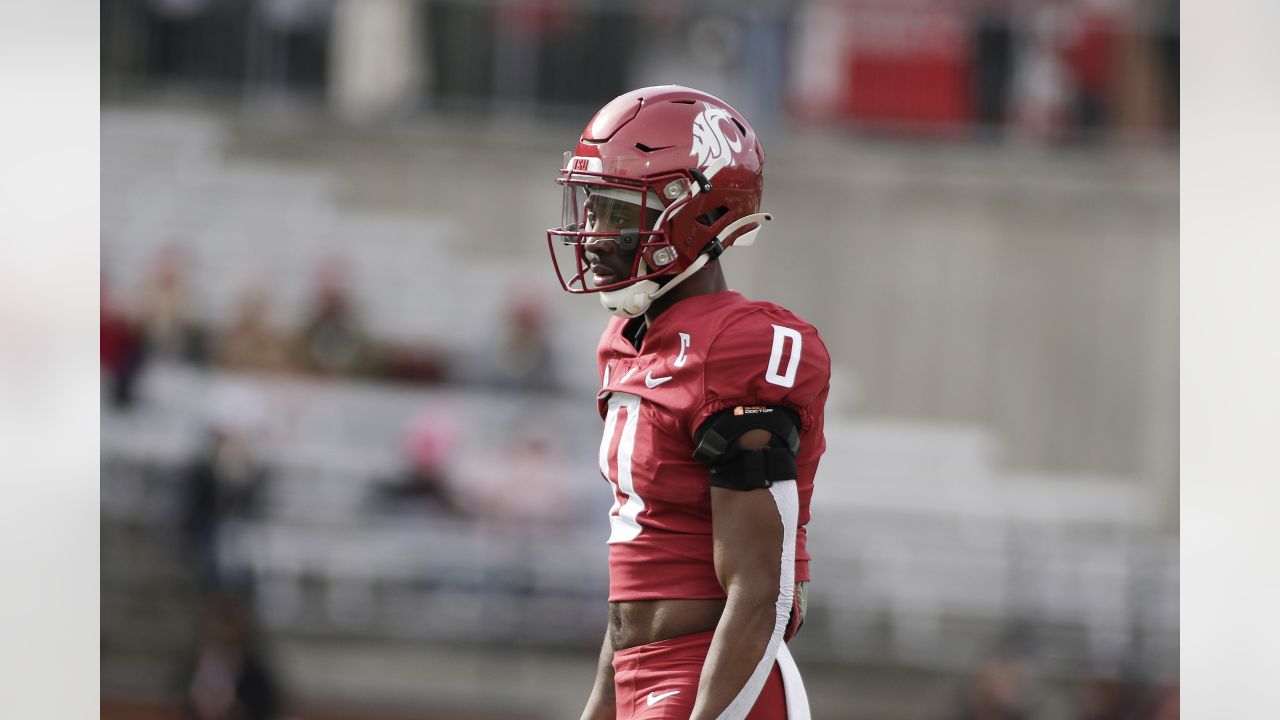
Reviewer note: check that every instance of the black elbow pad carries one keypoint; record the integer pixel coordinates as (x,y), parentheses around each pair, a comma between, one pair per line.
(736,468)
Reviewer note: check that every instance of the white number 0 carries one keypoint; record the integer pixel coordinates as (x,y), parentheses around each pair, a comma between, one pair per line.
(780,336)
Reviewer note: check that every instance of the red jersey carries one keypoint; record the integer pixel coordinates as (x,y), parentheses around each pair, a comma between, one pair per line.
(702,355)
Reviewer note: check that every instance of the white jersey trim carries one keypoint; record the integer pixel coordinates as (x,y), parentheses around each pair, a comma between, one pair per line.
(624,523)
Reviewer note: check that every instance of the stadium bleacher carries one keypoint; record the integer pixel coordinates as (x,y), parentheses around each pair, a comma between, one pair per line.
(930,544)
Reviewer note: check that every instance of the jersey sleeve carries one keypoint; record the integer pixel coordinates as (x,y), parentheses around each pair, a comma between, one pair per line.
(767,357)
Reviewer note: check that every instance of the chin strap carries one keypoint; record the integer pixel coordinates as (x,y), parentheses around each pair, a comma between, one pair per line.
(633,300)
(630,301)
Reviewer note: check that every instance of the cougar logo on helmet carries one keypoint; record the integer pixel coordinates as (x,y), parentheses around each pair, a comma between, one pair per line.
(709,140)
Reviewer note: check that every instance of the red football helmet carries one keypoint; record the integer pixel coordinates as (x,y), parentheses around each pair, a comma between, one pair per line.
(673,176)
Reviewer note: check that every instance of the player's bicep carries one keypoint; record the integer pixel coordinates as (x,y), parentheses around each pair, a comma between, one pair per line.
(747,533)
(747,528)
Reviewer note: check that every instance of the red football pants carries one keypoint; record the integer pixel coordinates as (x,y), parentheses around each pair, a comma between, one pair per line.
(659,681)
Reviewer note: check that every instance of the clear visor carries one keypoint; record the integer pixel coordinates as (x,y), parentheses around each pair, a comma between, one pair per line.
(601,209)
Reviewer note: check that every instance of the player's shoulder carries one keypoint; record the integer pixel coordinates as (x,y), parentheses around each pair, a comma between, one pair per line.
(766,313)
(745,323)
(765,354)
(726,310)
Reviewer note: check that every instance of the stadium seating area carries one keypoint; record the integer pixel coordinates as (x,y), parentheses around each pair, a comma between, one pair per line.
(930,550)
(909,570)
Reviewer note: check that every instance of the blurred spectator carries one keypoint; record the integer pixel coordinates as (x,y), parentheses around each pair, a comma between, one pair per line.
(1089,50)
(1109,696)
(192,43)
(294,43)
(527,358)
(1168,49)
(816,66)
(230,677)
(121,355)
(766,46)
(1041,84)
(251,344)
(429,444)
(996,692)
(403,362)
(170,328)
(174,28)
(1167,703)
(224,486)
(992,62)
(523,482)
(521,26)
(333,340)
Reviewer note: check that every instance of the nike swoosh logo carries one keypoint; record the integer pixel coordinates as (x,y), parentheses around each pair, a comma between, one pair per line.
(654,698)
(653,382)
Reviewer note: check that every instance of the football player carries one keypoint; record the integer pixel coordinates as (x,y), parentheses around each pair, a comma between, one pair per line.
(712,407)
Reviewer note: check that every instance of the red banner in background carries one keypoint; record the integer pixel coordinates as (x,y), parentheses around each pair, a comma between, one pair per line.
(899,64)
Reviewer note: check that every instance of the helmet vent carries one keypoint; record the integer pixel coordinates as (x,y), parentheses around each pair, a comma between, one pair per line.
(709,218)
(741,129)
(645,148)
(684,102)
